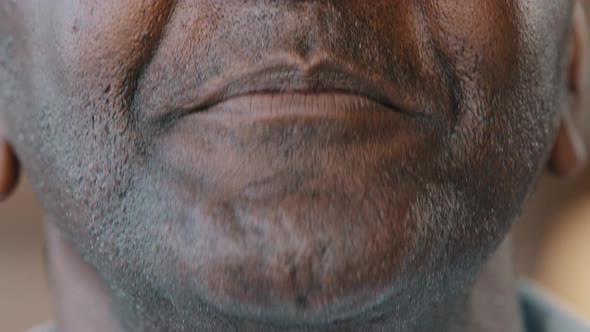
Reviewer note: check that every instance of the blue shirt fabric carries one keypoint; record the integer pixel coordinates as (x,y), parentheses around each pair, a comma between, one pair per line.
(544,313)
(541,313)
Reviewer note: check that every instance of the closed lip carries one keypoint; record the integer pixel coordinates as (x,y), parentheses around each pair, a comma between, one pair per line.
(278,77)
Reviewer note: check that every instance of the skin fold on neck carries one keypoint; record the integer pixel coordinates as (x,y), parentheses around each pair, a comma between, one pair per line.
(490,305)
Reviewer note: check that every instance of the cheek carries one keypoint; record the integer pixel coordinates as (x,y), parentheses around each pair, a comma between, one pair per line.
(501,60)
(476,36)
(105,43)
(84,57)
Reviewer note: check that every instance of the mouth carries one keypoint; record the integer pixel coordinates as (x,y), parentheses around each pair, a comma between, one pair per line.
(297,86)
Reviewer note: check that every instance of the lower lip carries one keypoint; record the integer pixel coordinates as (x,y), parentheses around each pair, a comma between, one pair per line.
(288,105)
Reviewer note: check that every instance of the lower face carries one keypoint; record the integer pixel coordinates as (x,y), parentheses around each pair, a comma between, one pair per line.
(290,208)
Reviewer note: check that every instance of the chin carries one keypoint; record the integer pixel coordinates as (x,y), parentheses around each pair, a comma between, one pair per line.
(301,257)
(316,257)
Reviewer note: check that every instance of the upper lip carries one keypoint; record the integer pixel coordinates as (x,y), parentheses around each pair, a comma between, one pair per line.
(300,77)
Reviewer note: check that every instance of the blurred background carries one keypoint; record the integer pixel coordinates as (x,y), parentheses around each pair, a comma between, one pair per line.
(24,297)
(553,242)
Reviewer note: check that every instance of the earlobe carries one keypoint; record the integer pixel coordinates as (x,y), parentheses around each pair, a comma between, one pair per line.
(9,169)
(569,153)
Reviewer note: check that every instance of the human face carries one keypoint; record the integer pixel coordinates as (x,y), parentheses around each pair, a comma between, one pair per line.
(297,163)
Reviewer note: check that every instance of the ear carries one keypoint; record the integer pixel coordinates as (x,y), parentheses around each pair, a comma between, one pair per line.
(9,169)
(569,154)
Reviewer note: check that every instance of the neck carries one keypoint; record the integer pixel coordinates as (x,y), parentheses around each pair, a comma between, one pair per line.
(493,299)
(83,303)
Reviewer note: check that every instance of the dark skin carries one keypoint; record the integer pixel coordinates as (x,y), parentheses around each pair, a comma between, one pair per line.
(286,165)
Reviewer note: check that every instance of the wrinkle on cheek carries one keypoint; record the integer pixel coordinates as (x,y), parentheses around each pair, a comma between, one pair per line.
(467,31)
(481,43)
(107,43)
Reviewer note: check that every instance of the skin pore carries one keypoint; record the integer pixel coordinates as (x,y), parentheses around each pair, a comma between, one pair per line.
(286,165)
